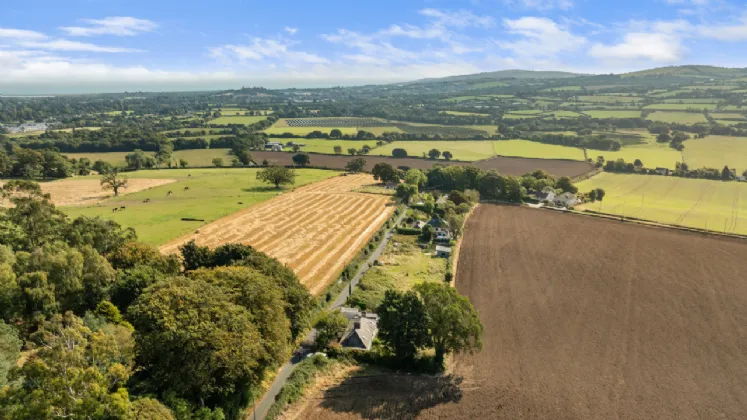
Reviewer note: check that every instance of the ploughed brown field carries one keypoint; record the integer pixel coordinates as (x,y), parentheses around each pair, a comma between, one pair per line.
(504,165)
(584,318)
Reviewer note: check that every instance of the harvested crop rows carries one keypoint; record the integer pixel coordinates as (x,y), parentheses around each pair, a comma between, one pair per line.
(78,192)
(316,229)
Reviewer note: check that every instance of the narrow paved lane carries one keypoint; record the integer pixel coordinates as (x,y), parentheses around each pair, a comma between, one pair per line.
(260,411)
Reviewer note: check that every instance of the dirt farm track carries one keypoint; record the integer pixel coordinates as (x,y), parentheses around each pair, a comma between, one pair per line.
(316,229)
(585,318)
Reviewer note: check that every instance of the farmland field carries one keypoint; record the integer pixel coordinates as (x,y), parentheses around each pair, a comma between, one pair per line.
(195,157)
(461,114)
(316,229)
(303,131)
(561,114)
(666,107)
(212,194)
(696,203)
(579,333)
(716,151)
(81,191)
(245,120)
(613,114)
(677,117)
(462,150)
(328,146)
(533,149)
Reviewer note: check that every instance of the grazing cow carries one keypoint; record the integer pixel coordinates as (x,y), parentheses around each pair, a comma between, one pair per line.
(122,208)
(169,193)
(186,188)
(147,200)
(241,202)
(114,210)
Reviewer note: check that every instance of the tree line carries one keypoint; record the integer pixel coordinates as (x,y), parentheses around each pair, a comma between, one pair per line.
(112,329)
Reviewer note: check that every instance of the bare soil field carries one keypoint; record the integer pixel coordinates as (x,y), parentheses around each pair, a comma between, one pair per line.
(584,318)
(504,165)
(316,229)
(80,192)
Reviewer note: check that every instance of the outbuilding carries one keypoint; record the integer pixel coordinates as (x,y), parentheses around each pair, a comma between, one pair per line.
(443,251)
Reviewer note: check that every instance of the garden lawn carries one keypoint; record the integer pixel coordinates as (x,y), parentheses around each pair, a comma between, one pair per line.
(404,265)
(212,194)
(697,203)
(466,150)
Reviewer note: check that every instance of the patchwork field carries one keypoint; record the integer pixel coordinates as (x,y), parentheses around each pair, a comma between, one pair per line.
(613,114)
(195,157)
(316,229)
(717,151)
(592,333)
(212,194)
(461,150)
(533,149)
(677,117)
(86,191)
(696,203)
(244,120)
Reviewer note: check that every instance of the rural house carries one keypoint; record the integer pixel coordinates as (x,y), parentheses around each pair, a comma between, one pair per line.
(443,251)
(362,329)
(662,171)
(566,200)
(546,196)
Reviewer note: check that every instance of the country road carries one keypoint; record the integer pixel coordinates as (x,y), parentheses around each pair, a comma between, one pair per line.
(261,409)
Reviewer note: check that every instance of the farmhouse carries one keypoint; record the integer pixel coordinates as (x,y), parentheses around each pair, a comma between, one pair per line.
(362,329)
(662,171)
(443,251)
(546,196)
(566,200)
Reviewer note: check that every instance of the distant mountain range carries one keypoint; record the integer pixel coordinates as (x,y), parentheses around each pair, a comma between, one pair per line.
(672,71)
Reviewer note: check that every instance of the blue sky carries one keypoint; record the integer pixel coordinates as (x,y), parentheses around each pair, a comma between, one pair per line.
(117,45)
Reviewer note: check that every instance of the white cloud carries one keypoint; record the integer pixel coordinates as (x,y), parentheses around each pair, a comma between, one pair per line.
(261,48)
(116,25)
(20,34)
(540,37)
(725,32)
(655,47)
(291,30)
(412,31)
(458,18)
(542,5)
(66,45)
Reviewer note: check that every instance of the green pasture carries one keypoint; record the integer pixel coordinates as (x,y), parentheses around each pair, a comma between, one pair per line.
(726,116)
(677,117)
(467,150)
(716,151)
(463,114)
(613,114)
(609,99)
(212,194)
(484,85)
(675,107)
(533,149)
(561,114)
(245,120)
(696,203)
(194,157)
(562,89)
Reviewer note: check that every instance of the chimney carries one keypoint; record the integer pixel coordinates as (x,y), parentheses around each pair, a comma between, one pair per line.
(357,325)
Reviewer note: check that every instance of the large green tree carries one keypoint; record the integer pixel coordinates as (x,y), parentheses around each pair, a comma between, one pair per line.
(10,349)
(329,327)
(184,322)
(277,175)
(402,324)
(453,324)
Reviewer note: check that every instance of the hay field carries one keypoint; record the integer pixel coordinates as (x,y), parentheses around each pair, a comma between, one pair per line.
(87,190)
(533,149)
(316,230)
(212,194)
(698,203)
(717,151)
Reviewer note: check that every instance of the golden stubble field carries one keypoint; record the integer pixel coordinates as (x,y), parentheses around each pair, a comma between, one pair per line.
(316,230)
(80,192)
